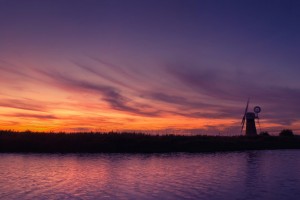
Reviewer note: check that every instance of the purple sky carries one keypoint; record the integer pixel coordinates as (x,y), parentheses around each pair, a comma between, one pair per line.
(151,59)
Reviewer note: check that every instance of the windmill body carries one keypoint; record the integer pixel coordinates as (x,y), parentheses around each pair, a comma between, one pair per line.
(250,124)
(249,119)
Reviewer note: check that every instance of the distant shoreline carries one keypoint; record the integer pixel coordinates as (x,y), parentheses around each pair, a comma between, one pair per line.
(29,142)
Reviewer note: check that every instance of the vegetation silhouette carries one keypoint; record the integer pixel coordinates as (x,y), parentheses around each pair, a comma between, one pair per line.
(36,142)
(264,133)
(286,132)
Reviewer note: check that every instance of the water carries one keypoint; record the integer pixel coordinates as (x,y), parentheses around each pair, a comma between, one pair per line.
(245,175)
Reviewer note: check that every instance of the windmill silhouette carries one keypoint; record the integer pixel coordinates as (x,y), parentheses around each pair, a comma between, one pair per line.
(249,118)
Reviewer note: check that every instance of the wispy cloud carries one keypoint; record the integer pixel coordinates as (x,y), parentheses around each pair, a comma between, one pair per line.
(185,91)
(107,93)
(11,69)
(226,89)
(24,104)
(34,116)
(279,103)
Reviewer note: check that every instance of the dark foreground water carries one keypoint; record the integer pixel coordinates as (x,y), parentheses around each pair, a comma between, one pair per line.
(245,175)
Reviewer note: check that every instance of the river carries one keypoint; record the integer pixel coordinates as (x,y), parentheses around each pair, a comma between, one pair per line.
(238,175)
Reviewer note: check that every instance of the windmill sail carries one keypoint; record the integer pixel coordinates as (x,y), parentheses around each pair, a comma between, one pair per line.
(244,117)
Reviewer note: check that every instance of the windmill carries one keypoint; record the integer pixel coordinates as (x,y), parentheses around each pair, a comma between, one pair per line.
(249,119)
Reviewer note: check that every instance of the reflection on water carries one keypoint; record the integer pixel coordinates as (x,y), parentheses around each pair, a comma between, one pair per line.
(245,175)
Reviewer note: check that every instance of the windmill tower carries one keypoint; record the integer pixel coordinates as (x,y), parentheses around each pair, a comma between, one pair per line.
(249,118)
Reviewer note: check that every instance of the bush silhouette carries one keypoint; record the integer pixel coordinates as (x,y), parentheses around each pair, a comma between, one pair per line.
(264,133)
(286,132)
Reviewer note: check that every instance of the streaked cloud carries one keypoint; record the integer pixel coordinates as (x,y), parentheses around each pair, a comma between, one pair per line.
(34,116)
(23,104)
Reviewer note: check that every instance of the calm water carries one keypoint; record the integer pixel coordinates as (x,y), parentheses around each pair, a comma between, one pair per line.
(245,175)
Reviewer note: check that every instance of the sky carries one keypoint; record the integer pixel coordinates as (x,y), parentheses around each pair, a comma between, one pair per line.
(166,66)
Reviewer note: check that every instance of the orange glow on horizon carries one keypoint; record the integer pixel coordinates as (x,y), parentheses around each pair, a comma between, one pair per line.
(39,100)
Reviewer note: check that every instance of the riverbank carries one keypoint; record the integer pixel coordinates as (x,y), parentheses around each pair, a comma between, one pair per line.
(29,142)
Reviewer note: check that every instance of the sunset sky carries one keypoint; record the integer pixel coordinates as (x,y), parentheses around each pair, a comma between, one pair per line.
(187,66)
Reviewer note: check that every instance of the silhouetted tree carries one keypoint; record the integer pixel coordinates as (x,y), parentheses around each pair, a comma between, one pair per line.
(286,132)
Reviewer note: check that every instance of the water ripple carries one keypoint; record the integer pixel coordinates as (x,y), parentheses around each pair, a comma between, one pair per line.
(245,175)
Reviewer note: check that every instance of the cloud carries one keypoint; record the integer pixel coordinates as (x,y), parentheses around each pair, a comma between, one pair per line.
(24,104)
(118,102)
(109,94)
(279,103)
(207,115)
(110,77)
(195,92)
(181,102)
(230,85)
(35,116)
(211,82)
(165,98)
(13,69)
